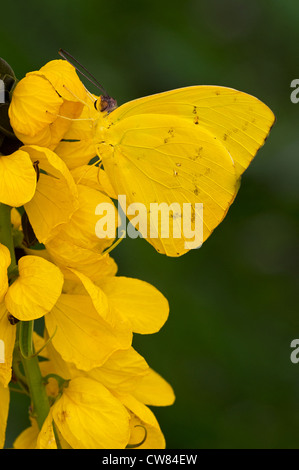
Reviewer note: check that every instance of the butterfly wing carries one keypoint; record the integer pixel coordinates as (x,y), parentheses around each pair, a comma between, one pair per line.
(184,146)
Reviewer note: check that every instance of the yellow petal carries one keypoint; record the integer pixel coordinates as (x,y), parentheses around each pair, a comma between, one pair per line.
(78,145)
(64,79)
(4,264)
(105,184)
(80,230)
(139,302)
(122,372)
(56,197)
(51,135)
(75,153)
(90,417)
(34,105)
(95,178)
(88,262)
(4,400)
(17,179)
(42,108)
(58,129)
(97,296)
(46,437)
(28,438)
(36,290)
(153,390)
(88,176)
(7,337)
(42,138)
(143,416)
(83,337)
(140,430)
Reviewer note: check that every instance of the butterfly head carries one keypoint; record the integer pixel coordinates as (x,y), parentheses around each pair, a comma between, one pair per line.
(105,104)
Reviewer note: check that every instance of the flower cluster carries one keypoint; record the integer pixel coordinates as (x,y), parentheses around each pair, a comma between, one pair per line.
(89,388)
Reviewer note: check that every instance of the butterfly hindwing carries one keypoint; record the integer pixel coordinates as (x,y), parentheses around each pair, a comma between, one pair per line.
(162,159)
(184,146)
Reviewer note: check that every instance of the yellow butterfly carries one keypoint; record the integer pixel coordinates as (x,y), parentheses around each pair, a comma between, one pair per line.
(188,145)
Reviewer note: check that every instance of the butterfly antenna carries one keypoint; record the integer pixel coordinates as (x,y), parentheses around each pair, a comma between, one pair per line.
(67,56)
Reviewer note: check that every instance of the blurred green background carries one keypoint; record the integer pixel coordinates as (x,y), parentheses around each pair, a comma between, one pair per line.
(234,303)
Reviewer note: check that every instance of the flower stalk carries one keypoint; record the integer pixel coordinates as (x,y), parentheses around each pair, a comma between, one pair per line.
(40,401)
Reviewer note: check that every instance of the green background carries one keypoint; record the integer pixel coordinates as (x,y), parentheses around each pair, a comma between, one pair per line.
(234,302)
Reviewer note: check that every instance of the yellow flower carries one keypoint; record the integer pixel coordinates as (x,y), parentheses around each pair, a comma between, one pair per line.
(48,202)
(36,290)
(82,324)
(62,214)
(30,296)
(80,229)
(131,302)
(102,314)
(116,392)
(56,196)
(88,416)
(41,98)
(17,178)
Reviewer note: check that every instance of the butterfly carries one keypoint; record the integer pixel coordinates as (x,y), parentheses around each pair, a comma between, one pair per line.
(185,146)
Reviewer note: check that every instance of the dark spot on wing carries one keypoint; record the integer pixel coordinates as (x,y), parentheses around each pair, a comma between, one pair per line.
(170,134)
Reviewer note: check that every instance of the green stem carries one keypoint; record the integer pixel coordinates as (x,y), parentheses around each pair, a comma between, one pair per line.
(40,401)
(6,237)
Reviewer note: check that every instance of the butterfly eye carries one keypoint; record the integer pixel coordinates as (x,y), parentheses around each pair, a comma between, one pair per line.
(107,104)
